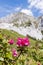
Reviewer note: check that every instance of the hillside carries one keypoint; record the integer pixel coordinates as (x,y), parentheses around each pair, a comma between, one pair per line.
(14,35)
(34,53)
(10,34)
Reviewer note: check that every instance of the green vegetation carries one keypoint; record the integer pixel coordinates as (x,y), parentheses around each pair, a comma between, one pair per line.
(33,56)
(10,34)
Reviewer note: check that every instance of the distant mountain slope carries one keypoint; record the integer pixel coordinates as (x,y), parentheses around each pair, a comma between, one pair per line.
(21,23)
(18,19)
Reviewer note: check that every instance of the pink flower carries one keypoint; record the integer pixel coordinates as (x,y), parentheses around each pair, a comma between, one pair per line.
(20,42)
(14,53)
(11,41)
(23,42)
(39,64)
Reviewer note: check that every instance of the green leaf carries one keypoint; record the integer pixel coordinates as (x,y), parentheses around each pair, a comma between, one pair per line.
(1,36)
(9,55)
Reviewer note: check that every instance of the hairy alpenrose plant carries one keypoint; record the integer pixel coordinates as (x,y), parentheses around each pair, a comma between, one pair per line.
(11,41)
(14,53)
(9,54)
(22,45)
(21,42)
(20,52)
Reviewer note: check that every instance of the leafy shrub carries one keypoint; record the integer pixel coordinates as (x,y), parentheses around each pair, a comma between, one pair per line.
(20,53)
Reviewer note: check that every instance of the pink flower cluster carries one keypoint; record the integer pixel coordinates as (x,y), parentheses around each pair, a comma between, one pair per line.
(11,41)
(23,42)
(14,52)
(39,64)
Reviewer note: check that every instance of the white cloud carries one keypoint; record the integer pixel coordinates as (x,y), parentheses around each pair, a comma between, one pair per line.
(26,11)
(37,4)
(40,4)
(17,8)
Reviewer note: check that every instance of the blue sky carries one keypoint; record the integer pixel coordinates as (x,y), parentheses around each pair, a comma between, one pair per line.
(29,7)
